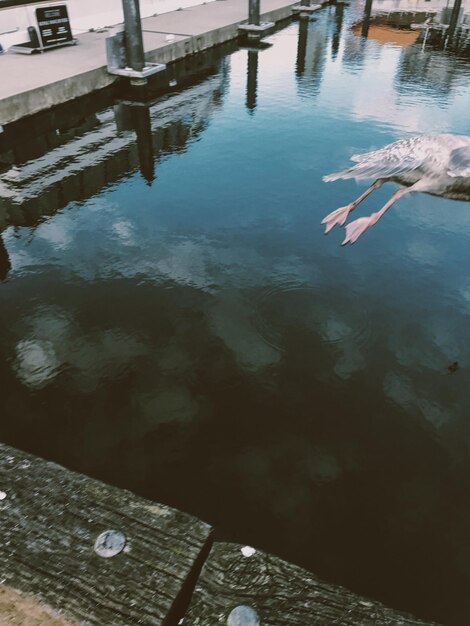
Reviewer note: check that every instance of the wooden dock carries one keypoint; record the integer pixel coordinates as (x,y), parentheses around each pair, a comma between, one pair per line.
(75,551)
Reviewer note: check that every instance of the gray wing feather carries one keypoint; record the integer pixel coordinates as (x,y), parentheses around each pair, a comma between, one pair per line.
(459,162)
(397,158)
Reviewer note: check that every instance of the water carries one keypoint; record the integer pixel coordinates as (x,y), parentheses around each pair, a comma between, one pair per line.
(175,322)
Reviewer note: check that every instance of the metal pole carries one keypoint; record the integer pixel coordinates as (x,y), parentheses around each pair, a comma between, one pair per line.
(253,12)
(134,40)
(366,18)
(454,18)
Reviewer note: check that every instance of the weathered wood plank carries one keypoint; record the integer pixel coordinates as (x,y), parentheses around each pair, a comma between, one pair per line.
(261,590)
(17,609)
(50,519)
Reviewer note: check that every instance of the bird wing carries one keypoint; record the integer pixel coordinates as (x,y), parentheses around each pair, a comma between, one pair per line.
(459,162)
(397,158)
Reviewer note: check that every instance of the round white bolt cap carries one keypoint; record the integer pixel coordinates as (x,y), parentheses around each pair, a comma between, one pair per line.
(248,551)
(110,543)
(243,615)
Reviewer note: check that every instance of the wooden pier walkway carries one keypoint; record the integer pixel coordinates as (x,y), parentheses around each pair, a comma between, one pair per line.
(74,551)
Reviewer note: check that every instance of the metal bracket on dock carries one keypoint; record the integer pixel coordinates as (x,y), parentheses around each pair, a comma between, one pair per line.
(116,60)
(298,8)
(255,29)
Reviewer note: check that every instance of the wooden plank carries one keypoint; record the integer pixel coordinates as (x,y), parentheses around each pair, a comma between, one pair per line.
(50,520)
(258,589)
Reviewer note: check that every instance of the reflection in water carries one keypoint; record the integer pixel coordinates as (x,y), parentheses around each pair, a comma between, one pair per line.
(424,72)
(302,45)
(335,39)
(366,18)
(252,80)
(443,26)
(92,155)
(311,54)
(454,19)
(5,263)
(219,354)
(138,114)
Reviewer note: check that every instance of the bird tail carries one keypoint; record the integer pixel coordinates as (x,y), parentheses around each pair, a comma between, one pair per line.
(349,173)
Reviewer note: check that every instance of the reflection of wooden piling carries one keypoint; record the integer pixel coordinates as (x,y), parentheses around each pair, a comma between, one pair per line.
(58,526)
(454,18)
(302,46)
(366,18)
(252,80)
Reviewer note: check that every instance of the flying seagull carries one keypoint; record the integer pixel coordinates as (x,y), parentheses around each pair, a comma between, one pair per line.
(434,164)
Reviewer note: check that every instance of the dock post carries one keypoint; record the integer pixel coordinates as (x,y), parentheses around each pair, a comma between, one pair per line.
(254,30)
(125,51)
(253,12)
(366,18)
(305,9)
(134,39)
(454,18)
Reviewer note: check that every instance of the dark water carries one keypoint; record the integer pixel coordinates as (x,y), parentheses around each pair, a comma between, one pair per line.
(175,322)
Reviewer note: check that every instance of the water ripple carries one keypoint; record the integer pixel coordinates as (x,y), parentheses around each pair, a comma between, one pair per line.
(284,306)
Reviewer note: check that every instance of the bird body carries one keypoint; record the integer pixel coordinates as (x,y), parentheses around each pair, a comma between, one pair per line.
(434,164)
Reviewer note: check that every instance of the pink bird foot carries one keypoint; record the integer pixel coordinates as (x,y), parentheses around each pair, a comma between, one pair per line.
(355,229)
(337,217)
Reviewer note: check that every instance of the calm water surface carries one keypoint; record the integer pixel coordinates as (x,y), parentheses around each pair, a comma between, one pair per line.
(184,329)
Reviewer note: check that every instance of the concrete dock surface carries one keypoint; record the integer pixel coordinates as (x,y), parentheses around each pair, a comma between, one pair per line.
(32,83)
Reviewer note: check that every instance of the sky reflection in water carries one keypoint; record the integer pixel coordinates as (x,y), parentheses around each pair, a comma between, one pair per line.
(200,341)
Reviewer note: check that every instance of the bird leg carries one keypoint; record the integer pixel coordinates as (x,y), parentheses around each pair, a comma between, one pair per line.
(341,215)
(355,229)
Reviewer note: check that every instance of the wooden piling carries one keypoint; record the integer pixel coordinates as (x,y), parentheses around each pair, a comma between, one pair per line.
(242,586)
(50,521)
